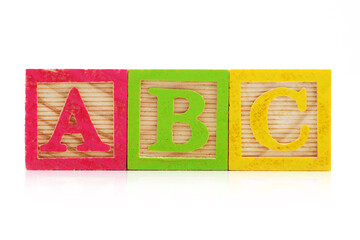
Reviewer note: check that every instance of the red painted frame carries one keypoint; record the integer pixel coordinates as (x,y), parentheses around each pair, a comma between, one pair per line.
(120,80)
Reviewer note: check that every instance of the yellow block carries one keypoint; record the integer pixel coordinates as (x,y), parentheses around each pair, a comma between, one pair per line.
(280,120)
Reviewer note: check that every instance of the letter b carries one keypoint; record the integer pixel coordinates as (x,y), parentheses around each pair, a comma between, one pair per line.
(167,117)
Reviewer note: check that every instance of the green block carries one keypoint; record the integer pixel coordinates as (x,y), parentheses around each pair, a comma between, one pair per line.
(178,120)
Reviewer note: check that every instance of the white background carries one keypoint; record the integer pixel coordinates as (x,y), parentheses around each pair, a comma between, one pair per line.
(276,34)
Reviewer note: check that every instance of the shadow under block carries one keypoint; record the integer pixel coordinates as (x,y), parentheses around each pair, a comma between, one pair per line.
(178,120)
(280,120)
(76,119)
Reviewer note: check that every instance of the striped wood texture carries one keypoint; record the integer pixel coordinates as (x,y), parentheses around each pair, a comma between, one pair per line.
(181,131)
(284,119)
(99,102)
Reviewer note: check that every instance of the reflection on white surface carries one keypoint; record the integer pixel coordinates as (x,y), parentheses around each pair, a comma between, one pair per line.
(181,187)
(75,186)
(279,187)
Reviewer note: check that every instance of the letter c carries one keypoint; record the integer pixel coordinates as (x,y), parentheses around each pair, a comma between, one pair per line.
(259,119)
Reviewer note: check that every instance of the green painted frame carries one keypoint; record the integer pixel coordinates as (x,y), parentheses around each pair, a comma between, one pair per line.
(134,162)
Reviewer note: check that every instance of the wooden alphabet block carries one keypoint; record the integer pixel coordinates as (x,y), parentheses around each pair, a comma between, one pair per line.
(280,120)
(178,120)
(76,119)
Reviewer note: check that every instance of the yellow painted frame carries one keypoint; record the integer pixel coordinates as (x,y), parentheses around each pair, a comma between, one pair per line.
(322,162)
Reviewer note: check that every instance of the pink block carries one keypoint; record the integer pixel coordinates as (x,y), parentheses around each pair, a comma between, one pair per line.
(47,91)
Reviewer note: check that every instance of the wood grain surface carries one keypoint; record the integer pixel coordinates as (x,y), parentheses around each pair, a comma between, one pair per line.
(99,101)
(284,119)
(181,131)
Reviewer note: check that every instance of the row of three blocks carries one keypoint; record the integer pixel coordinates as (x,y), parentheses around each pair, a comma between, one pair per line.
(178,119)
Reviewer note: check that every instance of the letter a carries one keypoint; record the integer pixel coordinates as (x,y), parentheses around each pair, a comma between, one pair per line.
(75,106)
